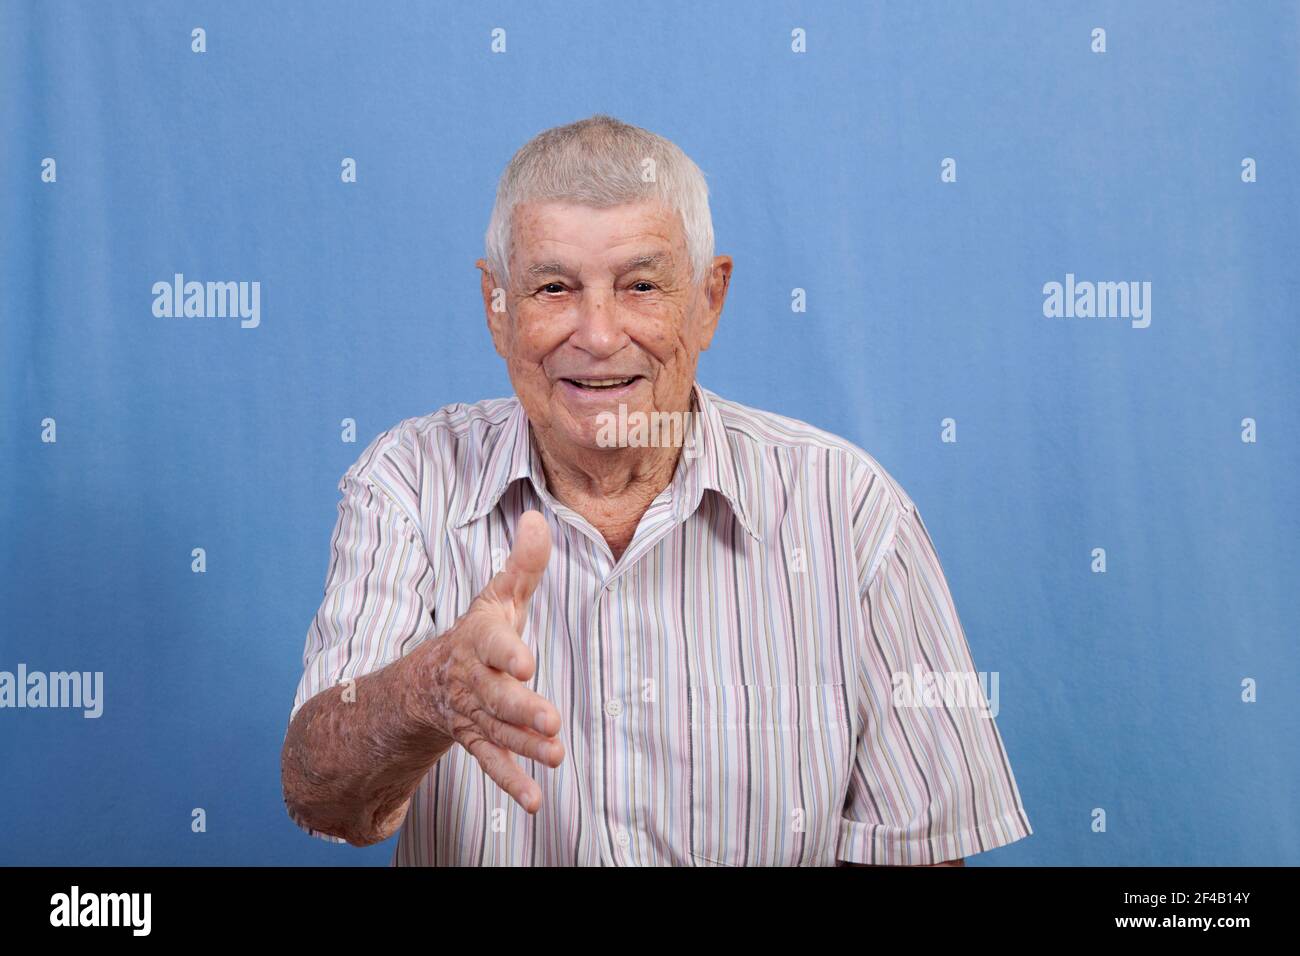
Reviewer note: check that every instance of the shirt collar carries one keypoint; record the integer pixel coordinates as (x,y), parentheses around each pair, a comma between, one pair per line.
(706,463)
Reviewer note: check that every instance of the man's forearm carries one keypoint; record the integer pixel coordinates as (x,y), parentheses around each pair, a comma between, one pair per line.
(349,766)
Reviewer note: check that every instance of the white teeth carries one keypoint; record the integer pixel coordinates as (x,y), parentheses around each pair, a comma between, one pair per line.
(602,382)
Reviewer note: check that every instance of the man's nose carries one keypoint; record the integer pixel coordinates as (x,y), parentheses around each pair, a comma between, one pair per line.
(600,328)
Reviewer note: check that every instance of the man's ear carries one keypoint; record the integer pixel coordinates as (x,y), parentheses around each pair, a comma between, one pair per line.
(494,307)
(719,282)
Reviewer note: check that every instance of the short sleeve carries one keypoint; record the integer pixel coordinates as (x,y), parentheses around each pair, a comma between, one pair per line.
(930,780)
(377,604)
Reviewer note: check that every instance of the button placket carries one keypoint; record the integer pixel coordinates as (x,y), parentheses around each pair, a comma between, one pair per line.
(598,628)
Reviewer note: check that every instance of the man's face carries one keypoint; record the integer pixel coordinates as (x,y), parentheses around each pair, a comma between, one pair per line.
(601,294)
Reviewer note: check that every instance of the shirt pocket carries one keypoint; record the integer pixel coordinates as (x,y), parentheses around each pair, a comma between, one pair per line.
(769,773)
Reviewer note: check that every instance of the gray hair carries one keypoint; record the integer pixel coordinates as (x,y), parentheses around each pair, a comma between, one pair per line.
(602,162)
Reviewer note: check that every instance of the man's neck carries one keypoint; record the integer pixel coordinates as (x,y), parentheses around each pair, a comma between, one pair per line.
(612,474)
(611,487)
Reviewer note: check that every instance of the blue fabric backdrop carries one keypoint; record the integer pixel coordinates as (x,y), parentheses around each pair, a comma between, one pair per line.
(1120,691)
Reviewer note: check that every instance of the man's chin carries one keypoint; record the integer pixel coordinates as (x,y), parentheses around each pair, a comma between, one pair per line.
(595,434)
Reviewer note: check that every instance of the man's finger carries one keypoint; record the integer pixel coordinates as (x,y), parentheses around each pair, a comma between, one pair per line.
(498,645)
(498,764)
(509,700)
(526,743)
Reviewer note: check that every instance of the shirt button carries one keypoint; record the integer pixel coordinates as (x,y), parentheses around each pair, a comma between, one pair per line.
(614,707)
(622,838)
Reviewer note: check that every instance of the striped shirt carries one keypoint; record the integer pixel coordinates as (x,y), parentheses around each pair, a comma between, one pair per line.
(729,688)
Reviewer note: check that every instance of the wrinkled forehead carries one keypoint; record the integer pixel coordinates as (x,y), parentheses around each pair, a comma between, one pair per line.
(565,238)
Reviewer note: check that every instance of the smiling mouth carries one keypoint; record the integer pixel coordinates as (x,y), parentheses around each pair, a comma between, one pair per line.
(600,384)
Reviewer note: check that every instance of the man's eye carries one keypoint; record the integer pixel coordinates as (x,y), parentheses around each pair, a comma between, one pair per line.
(551,287)
(649,285)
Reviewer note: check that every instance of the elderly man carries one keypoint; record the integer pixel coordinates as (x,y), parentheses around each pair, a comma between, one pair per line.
(696,645)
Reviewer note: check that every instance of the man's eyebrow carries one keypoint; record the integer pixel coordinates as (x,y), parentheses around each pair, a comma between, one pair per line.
(539,269)
(647,260)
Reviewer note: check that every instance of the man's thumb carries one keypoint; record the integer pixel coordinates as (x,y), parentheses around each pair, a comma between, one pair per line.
(526,563)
